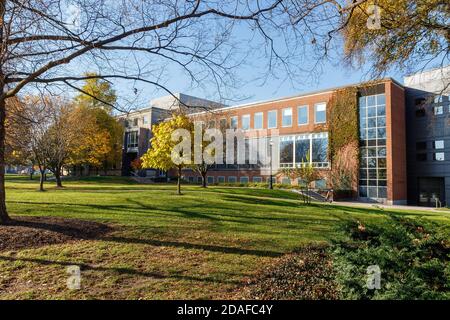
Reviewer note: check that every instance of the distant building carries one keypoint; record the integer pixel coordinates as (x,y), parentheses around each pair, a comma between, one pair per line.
(428,136)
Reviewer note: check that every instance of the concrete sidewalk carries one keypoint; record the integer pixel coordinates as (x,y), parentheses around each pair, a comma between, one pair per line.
(387,207)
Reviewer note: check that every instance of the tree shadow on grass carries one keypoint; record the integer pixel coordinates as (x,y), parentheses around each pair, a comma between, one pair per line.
(119,270)
(259,201)
(187,245)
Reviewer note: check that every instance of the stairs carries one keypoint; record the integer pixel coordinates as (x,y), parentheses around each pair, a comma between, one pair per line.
(312,194)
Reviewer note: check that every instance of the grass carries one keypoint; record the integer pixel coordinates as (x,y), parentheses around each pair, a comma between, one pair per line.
(201,245)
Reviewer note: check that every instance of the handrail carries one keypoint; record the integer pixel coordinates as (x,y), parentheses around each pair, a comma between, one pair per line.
(438,203)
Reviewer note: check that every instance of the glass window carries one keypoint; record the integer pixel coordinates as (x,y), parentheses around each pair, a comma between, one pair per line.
(381,99)
(232,179)
(234,122)
(258,120)
(320,184)
(372,116)
(257,179)
(272,119)
(320,113)
(439,156)
(246,122)
(286,120)
(132,139)
(319,150)
(211,124)
(145,119)
(439,110)
(286,181)
(243,179)
(439,144)
(286,151)
(135,122)
(221,179)
(302,147)
(210,179)
(302,115)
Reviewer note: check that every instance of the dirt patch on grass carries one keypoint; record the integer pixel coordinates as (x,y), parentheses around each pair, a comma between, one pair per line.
(305,274)
(29,232)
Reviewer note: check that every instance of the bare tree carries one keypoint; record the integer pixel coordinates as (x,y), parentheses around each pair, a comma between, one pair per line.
(37,120)
(213,119)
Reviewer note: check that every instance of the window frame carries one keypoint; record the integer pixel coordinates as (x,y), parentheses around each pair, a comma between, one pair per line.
(307,115)
(262,120)
(246,116)
(268,119)
(315,112)
(282,117)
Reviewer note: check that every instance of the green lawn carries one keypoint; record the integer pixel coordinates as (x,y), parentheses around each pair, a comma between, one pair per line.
(202,244)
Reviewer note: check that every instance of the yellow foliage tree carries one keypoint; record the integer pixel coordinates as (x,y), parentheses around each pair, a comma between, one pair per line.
(165,152)
(93,142)
(400,33)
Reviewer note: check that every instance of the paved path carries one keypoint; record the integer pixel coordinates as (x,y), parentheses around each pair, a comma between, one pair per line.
(395,207)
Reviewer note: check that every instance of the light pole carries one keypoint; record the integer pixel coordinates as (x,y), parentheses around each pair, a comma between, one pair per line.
(270,179)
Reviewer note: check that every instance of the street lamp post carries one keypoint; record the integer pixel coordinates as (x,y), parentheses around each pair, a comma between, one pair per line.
(270,179)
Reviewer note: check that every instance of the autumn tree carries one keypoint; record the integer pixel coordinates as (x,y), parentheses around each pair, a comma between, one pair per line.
(402,34)
(17,151)
(97,97)
(97,93)
(171,146)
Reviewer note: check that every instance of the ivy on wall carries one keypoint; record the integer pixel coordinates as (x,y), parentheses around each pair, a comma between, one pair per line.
(343,132)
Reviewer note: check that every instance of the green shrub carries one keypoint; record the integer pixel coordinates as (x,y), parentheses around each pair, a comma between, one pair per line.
(413,257)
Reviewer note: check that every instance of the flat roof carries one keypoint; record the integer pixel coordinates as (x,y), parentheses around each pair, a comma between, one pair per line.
(304,95)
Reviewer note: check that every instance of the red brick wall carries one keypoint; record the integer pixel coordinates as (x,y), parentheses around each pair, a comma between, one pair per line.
(396,143)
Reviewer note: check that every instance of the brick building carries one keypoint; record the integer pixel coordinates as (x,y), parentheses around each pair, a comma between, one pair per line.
(391,168)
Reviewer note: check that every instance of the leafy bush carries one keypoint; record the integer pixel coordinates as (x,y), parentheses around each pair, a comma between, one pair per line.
(413,258)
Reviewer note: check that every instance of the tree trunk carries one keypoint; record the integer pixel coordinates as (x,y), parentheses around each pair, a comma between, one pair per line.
(41,180)
(203,179)
(179,181)
(4,217)
(58,178)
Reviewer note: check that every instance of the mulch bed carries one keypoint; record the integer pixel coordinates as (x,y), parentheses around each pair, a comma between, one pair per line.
(29,232)
(306,274)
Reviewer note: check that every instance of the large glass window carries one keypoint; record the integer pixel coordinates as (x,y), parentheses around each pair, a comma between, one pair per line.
(373,174)
(302,115)
(320,113)
(272,119)
(286,151)
(246,122)
(319,149)
(287,117)
(132,139)
(302,148)
(258,120)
